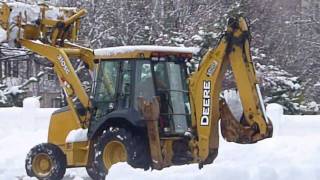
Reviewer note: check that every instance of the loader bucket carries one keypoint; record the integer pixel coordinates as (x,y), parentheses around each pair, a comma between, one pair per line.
(238,131)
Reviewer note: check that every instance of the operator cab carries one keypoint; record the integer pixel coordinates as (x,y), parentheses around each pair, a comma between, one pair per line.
(126,73)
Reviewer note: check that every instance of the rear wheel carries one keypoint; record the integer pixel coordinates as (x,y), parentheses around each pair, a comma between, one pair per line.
(46,161)
(93,173)
(117,145)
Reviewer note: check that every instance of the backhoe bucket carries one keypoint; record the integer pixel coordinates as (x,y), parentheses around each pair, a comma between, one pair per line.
(235,130)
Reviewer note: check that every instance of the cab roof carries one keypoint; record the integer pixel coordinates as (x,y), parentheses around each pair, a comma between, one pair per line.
(143,51)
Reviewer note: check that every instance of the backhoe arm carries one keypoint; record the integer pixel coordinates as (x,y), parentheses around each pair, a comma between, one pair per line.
(205,87)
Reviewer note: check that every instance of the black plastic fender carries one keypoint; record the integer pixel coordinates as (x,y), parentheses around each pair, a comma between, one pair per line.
(119,118)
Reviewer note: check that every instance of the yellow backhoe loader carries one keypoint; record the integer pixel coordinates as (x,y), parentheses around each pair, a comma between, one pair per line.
(145,107)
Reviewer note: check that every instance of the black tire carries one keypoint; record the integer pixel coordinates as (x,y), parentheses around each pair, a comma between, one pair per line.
(93,173)
(136,149)
(57,158)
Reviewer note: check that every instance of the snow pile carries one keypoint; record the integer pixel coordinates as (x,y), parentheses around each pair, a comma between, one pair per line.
(275,113)
(30,14)
(31,103)
(232,98)
(77,135)
(100,53)
(30,117)
(21,129)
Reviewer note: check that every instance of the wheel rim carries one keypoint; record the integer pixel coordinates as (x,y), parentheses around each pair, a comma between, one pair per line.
(113,153)
(42,165)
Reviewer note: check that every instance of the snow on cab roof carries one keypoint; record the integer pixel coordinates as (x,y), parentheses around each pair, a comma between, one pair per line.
(111,51)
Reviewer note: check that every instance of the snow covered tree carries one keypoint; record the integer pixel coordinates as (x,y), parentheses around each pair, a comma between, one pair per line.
(19,74)
(14,95)
(278,85)
(286,31)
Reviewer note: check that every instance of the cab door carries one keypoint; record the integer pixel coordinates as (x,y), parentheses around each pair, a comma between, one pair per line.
(104,96)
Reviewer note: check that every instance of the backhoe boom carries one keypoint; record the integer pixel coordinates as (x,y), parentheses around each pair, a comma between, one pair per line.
(205,87)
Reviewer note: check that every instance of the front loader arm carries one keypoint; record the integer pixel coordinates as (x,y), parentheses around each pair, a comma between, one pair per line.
(51,38)
(205,87)
(68,78)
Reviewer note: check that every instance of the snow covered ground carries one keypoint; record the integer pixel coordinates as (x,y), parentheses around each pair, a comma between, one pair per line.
(292,154)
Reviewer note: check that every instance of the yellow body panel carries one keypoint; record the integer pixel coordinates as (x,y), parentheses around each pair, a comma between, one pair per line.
(77,153)
(4,18)
(60,125)
(31,32)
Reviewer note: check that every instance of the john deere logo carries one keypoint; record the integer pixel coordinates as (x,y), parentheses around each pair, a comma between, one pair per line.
(205,118)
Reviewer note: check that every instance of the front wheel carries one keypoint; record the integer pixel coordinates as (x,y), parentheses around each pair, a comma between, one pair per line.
(46,161)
